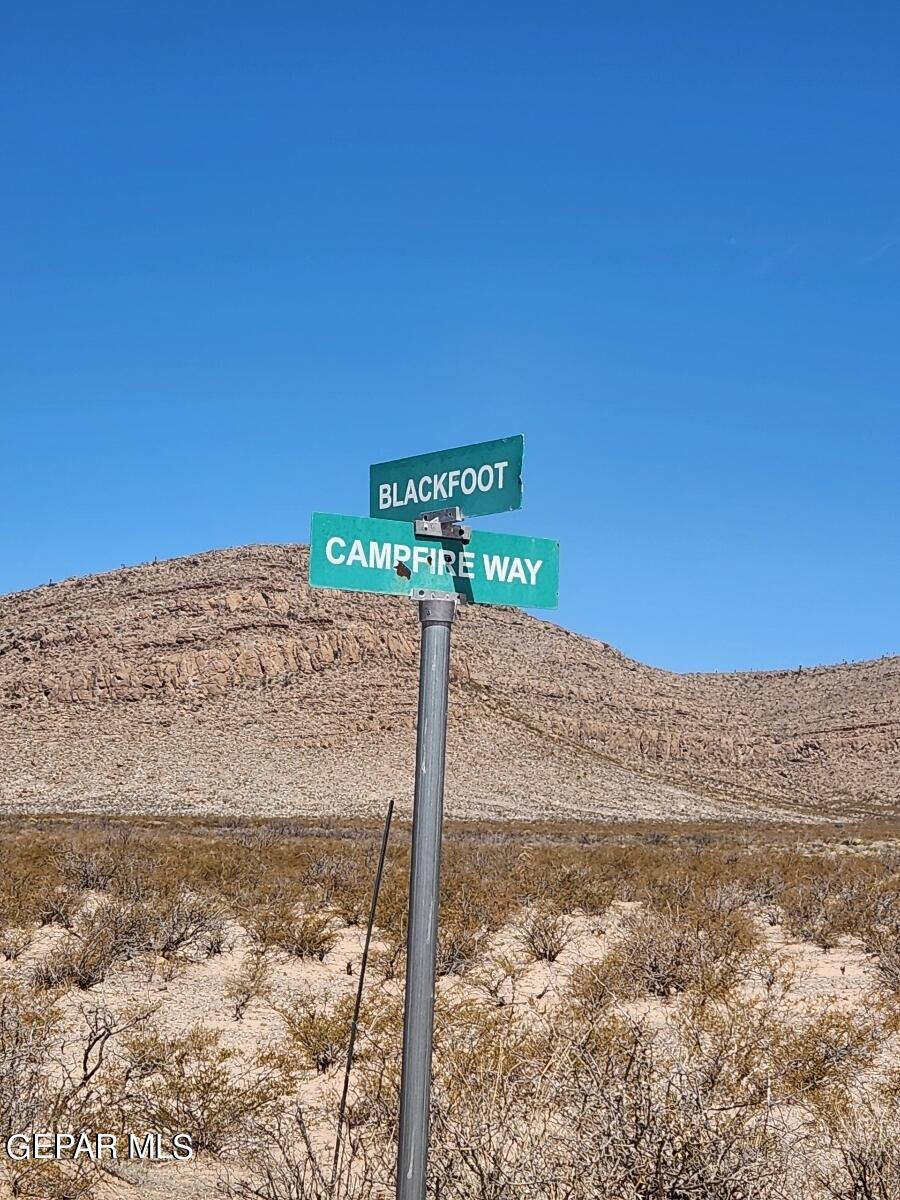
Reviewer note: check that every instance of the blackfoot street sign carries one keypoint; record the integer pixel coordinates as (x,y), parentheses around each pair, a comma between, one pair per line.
(480,479)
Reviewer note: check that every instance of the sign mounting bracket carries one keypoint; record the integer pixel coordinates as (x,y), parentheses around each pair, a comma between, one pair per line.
(443,523)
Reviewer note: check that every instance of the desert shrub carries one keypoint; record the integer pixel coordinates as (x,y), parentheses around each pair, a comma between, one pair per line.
(464,923)
(812,913)
(59,906)
(570,1102)
(216,940)
(826,901)
(483,1058)
(185,920)
(762,1050)
(192,1084)
(130,928)
(492,1122)
(169,923)
(545,934)
(476,899)
(478,895)
(887,960)
(352,897)
(340,878)
(732,896)
(279,924)
(112,932)
(14,942)
(86,870)
(19,896)
(49,1068)
(482,877)
(222,867)
(865,1159)
(497,979)
(319,1029)
(472,1040)
(46,1180)
(572,886)
(460,933)
(634,1120)
(563,878)
(30,1040)
(762,882)
(253,981)
(281,1162)
(28,1027)
(388,959)
(818,1057)
(307,935)
(389,953)
(376,1093)
(877,924)
(74,964)
(147,868)
(595,985)
(666,952)
(612,1110)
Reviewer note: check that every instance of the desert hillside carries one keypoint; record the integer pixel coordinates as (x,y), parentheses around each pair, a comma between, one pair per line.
(221,683)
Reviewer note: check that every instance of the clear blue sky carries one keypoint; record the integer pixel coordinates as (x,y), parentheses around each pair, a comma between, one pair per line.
(248,249)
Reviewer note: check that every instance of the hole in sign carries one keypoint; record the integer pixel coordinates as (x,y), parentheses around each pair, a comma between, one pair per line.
(403,571)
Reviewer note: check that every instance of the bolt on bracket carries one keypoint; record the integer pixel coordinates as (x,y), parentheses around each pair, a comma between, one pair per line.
(443,523)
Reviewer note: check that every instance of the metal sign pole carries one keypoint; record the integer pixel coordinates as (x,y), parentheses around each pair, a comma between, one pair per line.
(436,617)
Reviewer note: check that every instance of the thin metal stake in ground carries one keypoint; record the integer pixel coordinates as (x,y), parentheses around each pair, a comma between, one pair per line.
(354,1024)
(436,618)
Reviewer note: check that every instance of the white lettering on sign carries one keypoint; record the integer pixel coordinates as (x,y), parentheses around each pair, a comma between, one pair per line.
(357,554)
(430,488)
(461,564)
(510,568)
(330,550)
(381,555)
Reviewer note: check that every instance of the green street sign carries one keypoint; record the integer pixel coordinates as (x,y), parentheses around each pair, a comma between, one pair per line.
(361,554)
(480,479)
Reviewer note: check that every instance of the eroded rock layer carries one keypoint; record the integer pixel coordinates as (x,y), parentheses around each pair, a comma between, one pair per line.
(222,683)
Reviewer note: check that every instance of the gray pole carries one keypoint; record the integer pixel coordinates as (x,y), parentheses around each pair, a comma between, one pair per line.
(436,617)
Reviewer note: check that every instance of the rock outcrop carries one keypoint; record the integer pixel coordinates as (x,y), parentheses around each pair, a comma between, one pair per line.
(222,683)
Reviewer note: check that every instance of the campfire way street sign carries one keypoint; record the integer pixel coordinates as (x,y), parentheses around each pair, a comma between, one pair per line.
(359,554)
(480,479)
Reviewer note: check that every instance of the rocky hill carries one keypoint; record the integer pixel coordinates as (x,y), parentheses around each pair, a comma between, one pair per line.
(221,683)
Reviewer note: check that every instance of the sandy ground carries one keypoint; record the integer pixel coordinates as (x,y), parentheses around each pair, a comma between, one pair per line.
(194,993)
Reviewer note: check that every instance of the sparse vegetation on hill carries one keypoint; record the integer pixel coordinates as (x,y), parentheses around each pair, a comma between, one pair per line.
(221,683)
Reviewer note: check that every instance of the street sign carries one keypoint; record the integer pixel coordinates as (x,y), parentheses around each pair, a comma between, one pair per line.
(414,544)
(480,479)
(360,554)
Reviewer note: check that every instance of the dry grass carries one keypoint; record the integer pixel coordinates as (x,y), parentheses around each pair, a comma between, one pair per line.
(680,1056)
